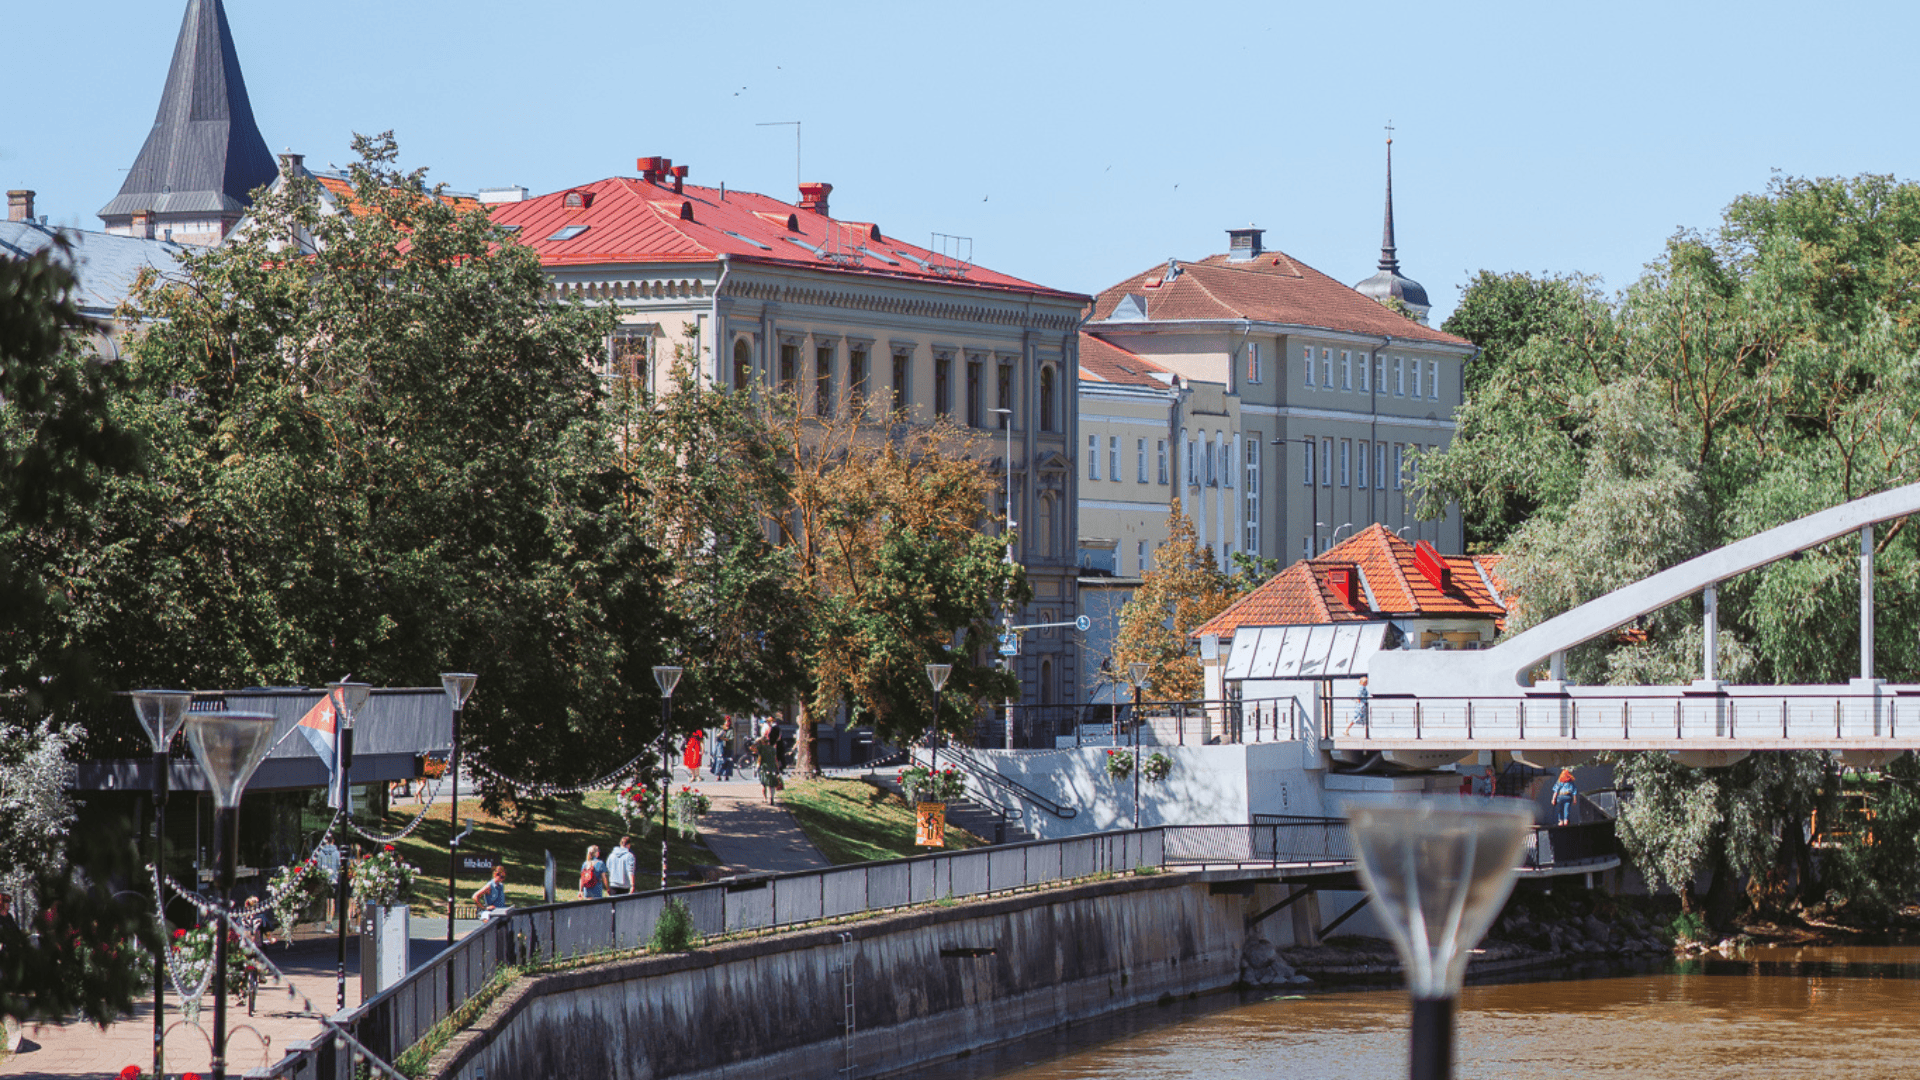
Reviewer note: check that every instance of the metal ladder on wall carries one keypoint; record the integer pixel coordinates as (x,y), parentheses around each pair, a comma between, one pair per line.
(845,967)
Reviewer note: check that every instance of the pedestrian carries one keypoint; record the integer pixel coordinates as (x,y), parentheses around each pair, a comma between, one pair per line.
(1483,782)
(768,756)
(692,754)
(492,897)
(620,866)
(593,875)
(1563,794)
(1359,708)
(723,761)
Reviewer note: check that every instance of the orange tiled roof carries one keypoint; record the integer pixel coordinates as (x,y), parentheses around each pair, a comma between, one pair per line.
(341,189)
(1272,287)
(1303,594)
(1102,361)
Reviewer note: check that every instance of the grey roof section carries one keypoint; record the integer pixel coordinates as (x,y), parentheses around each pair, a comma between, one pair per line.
(105,265)
(205,154)
(1389,281)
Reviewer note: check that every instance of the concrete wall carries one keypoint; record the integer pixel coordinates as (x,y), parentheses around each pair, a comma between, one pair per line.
(772,1008)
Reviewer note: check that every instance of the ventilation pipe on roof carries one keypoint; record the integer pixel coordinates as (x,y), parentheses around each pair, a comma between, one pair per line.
(814,197)
(652,167)
(679,179)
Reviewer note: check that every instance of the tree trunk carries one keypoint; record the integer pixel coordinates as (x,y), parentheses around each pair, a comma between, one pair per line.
(804,766)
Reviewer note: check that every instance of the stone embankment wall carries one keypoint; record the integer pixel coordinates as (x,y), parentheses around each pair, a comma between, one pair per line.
(926,984)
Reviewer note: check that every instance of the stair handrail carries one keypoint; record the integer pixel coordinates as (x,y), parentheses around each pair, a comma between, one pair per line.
(1014,787)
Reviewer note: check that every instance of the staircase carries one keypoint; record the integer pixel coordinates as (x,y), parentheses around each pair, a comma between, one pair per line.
(987,822)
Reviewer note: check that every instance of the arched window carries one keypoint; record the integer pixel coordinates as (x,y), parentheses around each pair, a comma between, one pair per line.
(1046,398)
(1043,529)
(742,364)
(1046,682)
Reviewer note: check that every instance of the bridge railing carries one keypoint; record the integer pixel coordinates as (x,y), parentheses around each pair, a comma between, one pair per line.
(1663,715)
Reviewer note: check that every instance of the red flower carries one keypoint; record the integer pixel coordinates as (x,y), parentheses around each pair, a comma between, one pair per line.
(178,934)
(131,1072)
(389,847)
(191,1076)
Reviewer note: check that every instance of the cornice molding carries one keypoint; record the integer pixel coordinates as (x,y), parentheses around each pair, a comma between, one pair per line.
(1028,318)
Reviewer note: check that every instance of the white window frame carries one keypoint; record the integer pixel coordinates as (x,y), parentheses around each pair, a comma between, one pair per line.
(1161,446)
(1140,558)
(1193,472)
(1140,452)
(1307,354)
(1113,458)
(1346,369)
(1366,363)
(1308,445)
(1380,466)
(1226,461)
(1415,365)
(1326,461)
(1253,361)
(1433,380)
(1326,368)
(1399,466)
(1346,462)
(1399,376)
(1253,494)
(1093,457)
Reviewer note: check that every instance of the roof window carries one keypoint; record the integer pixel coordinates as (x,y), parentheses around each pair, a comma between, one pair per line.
(569,232)
(746,240)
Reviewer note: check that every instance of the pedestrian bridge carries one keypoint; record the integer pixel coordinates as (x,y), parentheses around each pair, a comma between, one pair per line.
(1514,696)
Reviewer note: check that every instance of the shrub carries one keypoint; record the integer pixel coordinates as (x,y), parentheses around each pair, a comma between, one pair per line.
(673,930)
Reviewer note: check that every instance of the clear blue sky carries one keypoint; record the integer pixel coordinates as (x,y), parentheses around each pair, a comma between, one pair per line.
(1075,143)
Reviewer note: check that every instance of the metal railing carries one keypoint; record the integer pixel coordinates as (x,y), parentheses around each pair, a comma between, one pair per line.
(400,1016)
(1173,723)
(1007,787)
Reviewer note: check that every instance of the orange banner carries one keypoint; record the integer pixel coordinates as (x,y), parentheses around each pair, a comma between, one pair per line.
(930,824)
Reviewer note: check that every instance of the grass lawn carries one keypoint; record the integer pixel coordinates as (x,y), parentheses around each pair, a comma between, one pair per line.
(565,829)
(852,821)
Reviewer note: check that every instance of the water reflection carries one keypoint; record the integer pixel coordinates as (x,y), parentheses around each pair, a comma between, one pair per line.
(1771,1013)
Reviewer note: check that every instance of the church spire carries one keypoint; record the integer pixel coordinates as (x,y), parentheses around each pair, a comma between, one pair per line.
(1389,261)
(1389,283)
(205,153)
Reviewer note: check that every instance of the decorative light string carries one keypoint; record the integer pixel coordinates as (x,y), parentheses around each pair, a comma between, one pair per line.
(524,787)
(411,825)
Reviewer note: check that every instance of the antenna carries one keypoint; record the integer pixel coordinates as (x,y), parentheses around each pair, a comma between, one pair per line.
(795,124)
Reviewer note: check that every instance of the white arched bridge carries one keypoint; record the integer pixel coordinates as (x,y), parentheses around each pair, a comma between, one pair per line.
(1492,699)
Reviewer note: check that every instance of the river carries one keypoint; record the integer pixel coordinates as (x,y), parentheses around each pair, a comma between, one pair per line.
(1772,1011)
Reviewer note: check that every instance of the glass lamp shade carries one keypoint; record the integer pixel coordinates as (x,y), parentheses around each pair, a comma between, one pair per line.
(229,746)
(1137,673)
(350,698)
(937,675)
(161,712)
(1438,870)
(668,677)
(459,687)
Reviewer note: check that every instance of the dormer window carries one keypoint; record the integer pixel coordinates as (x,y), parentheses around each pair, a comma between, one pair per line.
(793,222)
(577,200)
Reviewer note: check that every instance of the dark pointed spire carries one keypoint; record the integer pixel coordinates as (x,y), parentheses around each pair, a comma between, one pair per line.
(205,153)
(1388,260)
(1389,282)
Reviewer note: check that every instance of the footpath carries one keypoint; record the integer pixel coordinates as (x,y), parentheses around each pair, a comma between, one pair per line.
(744,833)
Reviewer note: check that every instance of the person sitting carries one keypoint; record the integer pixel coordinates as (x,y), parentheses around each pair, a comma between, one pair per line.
(491,900)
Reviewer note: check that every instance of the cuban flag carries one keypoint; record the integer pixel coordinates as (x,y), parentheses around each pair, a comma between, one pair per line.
(319,728)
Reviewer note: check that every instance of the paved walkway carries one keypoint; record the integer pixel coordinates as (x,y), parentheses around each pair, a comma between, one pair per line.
(747,835)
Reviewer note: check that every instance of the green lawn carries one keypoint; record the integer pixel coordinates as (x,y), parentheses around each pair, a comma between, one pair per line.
(566,830)
(852,821)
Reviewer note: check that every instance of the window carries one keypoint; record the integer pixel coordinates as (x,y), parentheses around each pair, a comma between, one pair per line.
(900,362)
(1414,363)
(1399,466)
(1399,377)
(857,376)
(627,352)
(1140,558)
(1212,461)
(1160,446)
(1326,368)
(1307,355)
(1365,364)
(1346,462)
(1309,449)
(1093,457)
(789,366)
(1326,462)
(1226,461)
(1046,398)
(943,385)
(1306,547)
(1433,380)
(976,402)
(1193,477)
(1140,455)
(823,380)
(1253,494)
(1380,466)
(1380,374)
(1113,457)
(1346,369)
(1360,466)
(1253,361)
(1006,395)
(742,364)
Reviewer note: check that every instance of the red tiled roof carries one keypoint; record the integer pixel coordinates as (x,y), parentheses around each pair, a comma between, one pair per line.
(1272,287)
(341,189)
(1303,593)
(1102,361)
(629,220)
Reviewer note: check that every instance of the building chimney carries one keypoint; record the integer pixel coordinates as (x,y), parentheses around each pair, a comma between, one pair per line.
(143,224)
(814,197)
(1244,244)
(651,168)
(292,164)
(20,205)
(679,179)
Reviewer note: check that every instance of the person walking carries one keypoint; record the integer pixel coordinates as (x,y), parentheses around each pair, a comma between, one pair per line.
(593,875)
(1359,708)
(691,756)
(723,762)
(1563,796)
(491,900)
(620,867)
(767,755)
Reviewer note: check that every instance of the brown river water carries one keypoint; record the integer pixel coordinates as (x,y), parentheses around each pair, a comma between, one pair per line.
(1847,1013)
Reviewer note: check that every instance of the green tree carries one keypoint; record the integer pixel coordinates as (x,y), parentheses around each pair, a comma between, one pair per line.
(1182,590)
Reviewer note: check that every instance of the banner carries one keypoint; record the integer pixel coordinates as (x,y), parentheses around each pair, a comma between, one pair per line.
(930,824)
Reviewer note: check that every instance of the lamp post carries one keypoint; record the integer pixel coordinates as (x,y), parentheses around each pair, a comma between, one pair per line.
(1438,869)
(458,686)
(1006,620)
(161,712)
(666,676)
(228,746)
(346,700)
(937,675)
(1137,675)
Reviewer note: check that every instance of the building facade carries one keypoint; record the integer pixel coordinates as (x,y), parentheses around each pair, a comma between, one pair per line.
(769,295)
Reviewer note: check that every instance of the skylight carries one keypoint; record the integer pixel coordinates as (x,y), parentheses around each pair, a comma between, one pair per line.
(876,256)
(746,239)
(801,243)
(569,232)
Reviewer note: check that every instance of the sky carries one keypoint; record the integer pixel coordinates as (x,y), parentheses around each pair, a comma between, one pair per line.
(1074,144)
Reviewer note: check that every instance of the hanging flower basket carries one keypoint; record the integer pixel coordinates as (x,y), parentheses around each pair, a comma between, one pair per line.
(1155,768)
(687,807)
(639,805)
(192,959)
(1119,764)
(922,784)
(382,879)
(298,893)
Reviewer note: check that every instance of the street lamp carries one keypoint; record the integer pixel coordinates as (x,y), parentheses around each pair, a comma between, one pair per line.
(228,746)
(937,675)
(666,676)
(161,712)
(346,699)
(1137,675)
(1006,620)
(1438,869)
(458,686)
